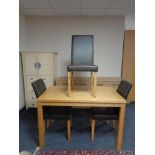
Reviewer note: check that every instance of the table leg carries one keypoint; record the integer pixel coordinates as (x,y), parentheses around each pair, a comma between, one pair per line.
(120,127)
(41,126)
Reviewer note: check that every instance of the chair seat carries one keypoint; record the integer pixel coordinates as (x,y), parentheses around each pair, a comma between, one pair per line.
(105,113)
(92,68)
(57,113)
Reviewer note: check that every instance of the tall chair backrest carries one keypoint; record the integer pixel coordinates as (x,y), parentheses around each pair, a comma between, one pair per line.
(82,50)
(38,87)
(124,88)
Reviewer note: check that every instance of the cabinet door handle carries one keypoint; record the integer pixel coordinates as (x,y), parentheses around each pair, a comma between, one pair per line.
(36,65)
(39,65)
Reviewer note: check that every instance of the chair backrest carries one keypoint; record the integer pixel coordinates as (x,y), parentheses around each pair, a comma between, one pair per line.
(38,87)
(124,88)
(82,50)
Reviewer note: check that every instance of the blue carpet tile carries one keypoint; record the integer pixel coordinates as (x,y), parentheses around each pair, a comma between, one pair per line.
(56,138)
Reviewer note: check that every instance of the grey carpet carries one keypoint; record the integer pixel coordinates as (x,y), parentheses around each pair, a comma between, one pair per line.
(55,138)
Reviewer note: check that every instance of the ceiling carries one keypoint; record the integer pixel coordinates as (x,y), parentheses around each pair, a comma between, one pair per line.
(77,7)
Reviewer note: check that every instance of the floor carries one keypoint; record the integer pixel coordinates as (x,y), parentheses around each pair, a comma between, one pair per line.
(55,138)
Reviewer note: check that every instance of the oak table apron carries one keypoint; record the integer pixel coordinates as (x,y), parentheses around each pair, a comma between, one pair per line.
(81,96)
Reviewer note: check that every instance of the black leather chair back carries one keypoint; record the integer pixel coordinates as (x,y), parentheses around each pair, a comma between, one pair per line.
(82,50)
(124,88)
(38,87)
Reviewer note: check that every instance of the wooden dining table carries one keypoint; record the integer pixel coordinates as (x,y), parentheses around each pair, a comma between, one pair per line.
(81,96)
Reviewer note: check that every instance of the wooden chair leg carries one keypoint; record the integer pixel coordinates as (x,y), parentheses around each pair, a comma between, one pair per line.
(91,81)
(92,130)
(94,85)
(47,123)
(72,80)
(69,83)
(114,124)
(51,121)
(68,129)
(108,121)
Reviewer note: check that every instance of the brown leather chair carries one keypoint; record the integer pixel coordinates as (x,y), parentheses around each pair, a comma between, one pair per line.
(52,113)
(82,59)
(109,113)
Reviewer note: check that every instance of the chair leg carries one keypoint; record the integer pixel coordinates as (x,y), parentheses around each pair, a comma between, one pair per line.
(68,129)
(69,83)
(72,80)
(51,121)
(108,121)
(91,81)
(92,130)
(94,85)
(48,123)
(114,124)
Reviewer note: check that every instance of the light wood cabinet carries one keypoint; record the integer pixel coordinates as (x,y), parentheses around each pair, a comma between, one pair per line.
(37,65)
(128,65)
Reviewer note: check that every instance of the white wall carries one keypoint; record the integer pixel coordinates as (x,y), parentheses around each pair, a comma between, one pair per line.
(130,22)
(22,46)
(22,32)
(46,34)
(54,34)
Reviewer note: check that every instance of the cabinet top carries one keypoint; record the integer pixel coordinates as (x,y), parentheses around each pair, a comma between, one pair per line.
(38,52)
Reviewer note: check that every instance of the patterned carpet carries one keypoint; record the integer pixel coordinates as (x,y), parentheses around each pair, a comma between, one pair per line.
(84,152)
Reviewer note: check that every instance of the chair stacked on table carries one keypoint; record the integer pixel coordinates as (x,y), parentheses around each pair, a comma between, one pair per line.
(82,60)
(52,113)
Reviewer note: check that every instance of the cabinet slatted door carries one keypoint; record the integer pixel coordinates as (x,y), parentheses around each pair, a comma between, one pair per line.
(45,63)
(30,61)
(35,66)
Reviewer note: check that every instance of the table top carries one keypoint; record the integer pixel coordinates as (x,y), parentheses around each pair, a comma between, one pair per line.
(81,94)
